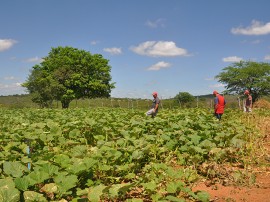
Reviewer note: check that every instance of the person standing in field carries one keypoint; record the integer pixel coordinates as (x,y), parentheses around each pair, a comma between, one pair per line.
(155,104)
(248,101)
(219,105)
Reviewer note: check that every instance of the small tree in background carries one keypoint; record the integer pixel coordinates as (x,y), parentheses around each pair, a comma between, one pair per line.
(247,75)
(184,98)
(68,73)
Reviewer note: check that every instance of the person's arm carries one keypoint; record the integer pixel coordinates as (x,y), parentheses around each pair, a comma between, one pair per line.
(156,107)
(215,103)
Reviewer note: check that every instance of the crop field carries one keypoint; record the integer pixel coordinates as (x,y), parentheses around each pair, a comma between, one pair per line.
(116,154)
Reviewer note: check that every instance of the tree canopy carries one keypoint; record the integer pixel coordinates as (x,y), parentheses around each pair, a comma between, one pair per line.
(68,73)
(246,75)
(184,97)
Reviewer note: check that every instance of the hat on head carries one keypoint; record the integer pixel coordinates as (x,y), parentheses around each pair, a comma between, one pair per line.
(246,92)
(154,93)
(215,92)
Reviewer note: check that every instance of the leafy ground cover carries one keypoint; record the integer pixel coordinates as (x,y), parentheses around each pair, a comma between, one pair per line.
(119,154)
(257,190)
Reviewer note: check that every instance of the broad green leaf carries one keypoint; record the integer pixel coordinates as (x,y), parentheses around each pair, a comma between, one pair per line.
(137,154)
(115,189)
(49,169)
(63,160)
(49,188)
(15,169)
(203,196)
(175,199)
(195,139)
(30,196)
(8,192)
(21,183)
(96,192)
(150,186)
(77,166)
(37,177)
(134,200)
(65,182)
(174,187)
(175,173)
(78,151)
(156,196)
(75,133)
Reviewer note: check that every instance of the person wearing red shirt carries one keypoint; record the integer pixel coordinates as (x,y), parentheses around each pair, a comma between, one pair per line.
(219,105)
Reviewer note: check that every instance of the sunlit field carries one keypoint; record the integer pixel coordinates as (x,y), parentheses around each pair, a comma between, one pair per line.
(120,154)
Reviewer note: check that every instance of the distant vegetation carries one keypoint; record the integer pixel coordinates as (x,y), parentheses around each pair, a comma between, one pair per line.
(203,101)
(247,75)
(67,74)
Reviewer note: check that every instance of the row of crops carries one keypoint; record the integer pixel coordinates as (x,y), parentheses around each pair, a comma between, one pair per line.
(112,154)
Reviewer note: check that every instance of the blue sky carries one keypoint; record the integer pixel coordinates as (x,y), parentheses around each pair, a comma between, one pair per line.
(168,46)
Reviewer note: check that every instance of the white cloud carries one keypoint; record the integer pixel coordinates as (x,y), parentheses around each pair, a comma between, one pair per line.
(218,85)
(159,49)
(9,78)
(256,41)
(94,42)
(256,28)
(34,59)
(209,79)
(11,89)
(113,51)
(267,57)
(6,44)
(154,24)
(158,66)
(232,59)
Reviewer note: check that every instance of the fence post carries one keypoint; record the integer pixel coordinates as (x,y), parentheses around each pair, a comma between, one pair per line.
(119,103)
(179,103)
(239,103)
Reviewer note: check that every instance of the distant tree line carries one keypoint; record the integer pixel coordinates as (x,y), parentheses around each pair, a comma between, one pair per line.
(68,73)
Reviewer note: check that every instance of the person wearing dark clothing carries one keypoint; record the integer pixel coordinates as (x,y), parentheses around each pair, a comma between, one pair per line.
(248,102)
(155,104)
(219,105)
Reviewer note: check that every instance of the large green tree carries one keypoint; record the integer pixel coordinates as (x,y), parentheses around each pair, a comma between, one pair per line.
(184,97)
(68,73)
(246,75)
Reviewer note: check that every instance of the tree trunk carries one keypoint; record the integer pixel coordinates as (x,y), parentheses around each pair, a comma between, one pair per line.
(65,104)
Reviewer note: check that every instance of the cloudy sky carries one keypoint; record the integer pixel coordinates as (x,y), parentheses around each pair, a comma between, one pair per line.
(168,46)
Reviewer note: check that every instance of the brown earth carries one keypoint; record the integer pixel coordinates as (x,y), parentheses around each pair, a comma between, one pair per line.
(256,192)
(263,104)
